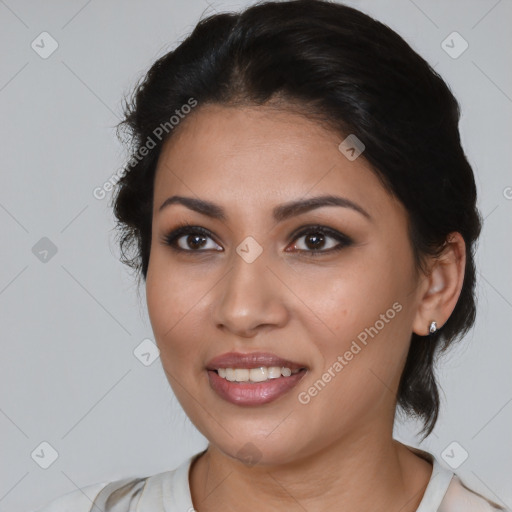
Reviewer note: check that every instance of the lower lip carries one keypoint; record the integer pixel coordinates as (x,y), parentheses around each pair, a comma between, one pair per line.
(257,393)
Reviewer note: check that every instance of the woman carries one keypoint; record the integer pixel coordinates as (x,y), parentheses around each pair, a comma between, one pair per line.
(303,215)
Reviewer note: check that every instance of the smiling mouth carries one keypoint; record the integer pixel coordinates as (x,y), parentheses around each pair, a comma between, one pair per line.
(252,393)
(253,378)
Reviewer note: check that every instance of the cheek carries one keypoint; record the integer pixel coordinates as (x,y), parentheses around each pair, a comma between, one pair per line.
(174,309)
(361,353)
(179,307)
(362,311)
(173,300)
(352,296)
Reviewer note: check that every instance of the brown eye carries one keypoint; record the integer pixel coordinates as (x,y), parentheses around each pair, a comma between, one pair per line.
(315,241)
(190,239)
(320,240)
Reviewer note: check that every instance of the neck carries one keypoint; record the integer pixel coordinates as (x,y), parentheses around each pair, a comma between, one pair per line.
(354,474)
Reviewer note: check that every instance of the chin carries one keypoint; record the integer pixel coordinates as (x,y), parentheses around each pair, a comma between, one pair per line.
(252,451)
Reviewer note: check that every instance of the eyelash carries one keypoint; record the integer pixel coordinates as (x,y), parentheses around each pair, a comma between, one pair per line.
(187,229)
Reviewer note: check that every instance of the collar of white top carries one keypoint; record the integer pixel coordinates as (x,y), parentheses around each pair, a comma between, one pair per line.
(170,490)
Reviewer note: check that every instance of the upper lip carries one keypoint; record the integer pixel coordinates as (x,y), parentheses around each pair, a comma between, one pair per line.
(251,360)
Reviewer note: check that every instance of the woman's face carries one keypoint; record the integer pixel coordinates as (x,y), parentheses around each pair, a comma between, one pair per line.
(255,282)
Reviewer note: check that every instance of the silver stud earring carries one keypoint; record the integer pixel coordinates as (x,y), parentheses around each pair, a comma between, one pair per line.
(433,327)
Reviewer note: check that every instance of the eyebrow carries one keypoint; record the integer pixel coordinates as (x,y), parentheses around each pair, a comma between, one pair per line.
(280,213)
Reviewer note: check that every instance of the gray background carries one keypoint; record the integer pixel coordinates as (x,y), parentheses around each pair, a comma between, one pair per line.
(70,324)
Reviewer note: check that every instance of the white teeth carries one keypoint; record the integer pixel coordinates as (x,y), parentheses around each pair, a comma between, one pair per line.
(259,374)
(274,372)
(285,372)
(242,375)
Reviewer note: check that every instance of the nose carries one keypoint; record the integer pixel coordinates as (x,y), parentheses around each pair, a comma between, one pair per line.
(250,298)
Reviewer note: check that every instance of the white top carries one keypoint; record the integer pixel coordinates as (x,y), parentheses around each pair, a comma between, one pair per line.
(170,492)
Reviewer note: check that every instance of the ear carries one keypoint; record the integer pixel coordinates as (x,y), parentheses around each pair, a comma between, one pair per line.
(442,285)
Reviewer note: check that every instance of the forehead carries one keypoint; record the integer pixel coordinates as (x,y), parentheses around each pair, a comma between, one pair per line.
(257,156)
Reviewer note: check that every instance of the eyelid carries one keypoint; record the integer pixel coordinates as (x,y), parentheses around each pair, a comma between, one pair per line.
(308,228)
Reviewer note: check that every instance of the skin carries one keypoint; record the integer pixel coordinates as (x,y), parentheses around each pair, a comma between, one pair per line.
(337,451)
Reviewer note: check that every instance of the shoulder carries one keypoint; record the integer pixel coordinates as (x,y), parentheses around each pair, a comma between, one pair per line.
(446,492)
(151,492)
(460,498)
(118,495)
(79,500)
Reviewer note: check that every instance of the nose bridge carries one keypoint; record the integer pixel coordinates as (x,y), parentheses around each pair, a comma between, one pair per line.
(250,293)
(249,265)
